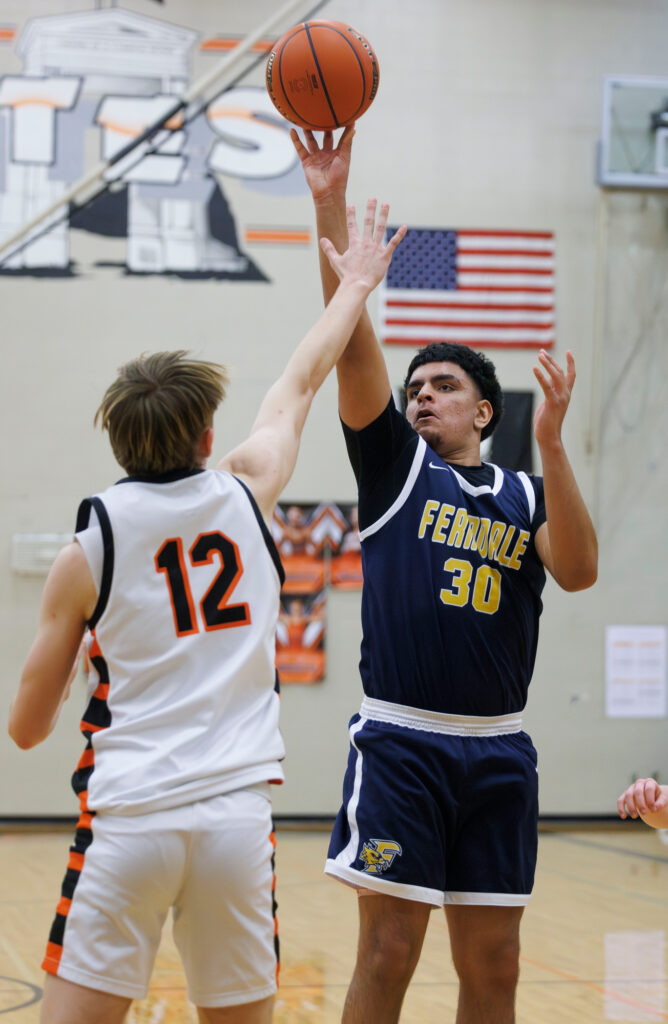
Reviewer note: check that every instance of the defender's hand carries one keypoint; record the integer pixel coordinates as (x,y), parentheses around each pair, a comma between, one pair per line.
(367,258)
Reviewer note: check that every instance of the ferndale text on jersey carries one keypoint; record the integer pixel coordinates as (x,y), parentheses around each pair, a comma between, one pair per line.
(496,541)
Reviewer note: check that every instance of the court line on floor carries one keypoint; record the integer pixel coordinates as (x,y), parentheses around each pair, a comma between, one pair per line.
(592,844)
(35,994)
(602,989)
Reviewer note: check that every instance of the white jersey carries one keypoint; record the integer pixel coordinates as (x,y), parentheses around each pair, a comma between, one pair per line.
(183,696)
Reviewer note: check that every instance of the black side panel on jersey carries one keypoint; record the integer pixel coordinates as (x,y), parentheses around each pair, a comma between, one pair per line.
(540,515)
(83,519)
(268,539)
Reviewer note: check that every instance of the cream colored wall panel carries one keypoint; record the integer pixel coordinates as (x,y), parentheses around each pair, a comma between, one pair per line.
(487,116)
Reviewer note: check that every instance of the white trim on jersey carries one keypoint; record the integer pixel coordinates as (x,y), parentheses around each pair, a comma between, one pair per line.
(484,488)
(90,540)
(362,881)
(403,496)
(437,721)
(530,493)
(487,899)
(349,852)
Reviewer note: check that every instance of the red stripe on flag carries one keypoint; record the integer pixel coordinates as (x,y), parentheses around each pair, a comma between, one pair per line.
(528,324)
(416,342)
(469,305)
(507,234)
(506,252)
(503,288)
(492,269)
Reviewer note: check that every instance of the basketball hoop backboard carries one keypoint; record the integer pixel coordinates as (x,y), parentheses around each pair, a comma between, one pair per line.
(633,149)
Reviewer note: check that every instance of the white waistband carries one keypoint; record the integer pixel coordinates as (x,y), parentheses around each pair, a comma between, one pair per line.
(435,721)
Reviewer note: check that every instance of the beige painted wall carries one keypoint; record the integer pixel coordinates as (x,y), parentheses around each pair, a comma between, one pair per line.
(487,115)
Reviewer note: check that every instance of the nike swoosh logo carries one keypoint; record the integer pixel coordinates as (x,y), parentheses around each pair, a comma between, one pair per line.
(446,469)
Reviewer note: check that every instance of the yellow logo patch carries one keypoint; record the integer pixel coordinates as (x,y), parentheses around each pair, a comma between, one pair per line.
(378,854)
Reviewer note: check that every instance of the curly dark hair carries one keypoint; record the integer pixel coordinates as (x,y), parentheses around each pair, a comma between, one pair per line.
(479,368)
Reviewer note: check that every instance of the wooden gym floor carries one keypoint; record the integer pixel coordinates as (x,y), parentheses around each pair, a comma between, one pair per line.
(593,937)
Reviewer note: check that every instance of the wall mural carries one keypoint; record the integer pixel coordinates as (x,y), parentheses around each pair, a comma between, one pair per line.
(92,82)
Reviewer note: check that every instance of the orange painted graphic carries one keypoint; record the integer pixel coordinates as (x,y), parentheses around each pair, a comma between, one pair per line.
(224,43)
(278,236)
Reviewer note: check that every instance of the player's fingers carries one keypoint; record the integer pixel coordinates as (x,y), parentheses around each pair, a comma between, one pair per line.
(311,144)
(298,144)
(379,230)
(546,385)
(328,140)
(351,218)
(639,798)
(570,369)
(370,217)
(651,793)
(397,237)
(550,364)
(621,805)
(558,380)
(629,799)
(346,140)
(329,249)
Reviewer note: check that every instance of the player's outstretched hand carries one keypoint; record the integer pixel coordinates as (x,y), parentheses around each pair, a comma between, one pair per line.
(644,796)
(326,167)
(557,386)
(367,257)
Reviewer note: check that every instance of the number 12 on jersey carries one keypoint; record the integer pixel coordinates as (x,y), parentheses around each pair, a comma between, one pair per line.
(215,609)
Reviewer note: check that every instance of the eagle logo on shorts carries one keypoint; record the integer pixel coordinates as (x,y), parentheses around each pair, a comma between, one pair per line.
(378,854)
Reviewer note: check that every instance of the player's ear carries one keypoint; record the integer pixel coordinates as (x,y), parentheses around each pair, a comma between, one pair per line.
(483,413)
(205,445)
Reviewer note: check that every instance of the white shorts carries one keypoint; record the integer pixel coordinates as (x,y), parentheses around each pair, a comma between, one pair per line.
(212,863)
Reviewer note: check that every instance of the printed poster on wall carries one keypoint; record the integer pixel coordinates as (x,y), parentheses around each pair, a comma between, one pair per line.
(635,671)
(320,548)
(300,638)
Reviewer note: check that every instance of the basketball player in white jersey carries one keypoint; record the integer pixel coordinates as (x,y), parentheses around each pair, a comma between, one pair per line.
(175,574)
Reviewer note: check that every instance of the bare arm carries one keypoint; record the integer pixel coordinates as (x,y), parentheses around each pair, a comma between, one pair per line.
(566,543)
(267,458)
(68,601)
(645,799)
(364,385)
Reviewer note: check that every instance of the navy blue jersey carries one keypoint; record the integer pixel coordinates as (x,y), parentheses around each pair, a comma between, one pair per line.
(452,579)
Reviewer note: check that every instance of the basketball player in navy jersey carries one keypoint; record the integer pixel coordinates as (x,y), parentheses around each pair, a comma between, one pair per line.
(175,573)
(440,795)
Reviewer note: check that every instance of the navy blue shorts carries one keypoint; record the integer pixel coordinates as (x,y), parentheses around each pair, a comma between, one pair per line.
(435,817)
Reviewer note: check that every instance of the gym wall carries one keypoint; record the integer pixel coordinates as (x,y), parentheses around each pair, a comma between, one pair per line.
(487,116)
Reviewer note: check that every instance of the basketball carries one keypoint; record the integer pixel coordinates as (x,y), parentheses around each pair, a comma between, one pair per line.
(322,75)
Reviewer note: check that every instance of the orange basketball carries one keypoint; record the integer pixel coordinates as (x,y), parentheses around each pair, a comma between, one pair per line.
(322,75)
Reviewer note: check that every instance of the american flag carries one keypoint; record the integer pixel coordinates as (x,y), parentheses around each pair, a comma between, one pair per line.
(479,288)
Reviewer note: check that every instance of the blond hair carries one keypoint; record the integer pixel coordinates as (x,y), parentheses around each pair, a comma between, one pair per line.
(157,410)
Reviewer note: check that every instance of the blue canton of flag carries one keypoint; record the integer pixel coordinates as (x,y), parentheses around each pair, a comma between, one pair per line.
(478,288)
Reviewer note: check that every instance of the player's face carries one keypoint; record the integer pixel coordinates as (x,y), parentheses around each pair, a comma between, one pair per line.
(445,408)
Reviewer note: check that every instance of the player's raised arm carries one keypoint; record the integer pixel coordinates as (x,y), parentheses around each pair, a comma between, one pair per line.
(364,385)
(267,458)
(567,542)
